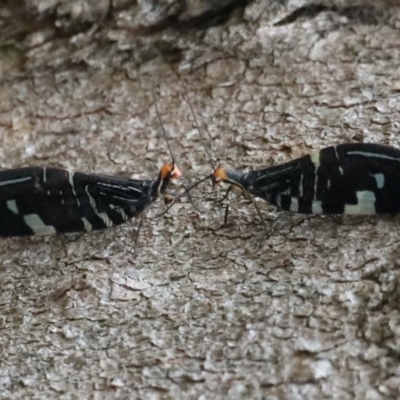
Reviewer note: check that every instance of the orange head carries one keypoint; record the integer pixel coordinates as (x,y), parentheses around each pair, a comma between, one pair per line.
(219,176)
(167,172)
(170,171)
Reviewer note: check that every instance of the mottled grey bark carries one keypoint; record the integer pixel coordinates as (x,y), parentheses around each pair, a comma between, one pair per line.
(310,312)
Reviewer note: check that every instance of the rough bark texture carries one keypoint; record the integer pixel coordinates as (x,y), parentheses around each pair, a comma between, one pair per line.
(310,312)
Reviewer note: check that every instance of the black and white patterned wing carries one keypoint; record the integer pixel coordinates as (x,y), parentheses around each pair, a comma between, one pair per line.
(356,178)
(45,201)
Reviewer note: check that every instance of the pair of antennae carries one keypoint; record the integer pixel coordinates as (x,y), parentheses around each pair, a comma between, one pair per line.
(195,121)
(186,192)
(213,166)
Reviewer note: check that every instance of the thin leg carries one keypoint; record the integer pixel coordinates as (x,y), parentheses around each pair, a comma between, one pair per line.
(190,198)
(260,215)
(170,199)
(250,198)
(225,223)
(225,195)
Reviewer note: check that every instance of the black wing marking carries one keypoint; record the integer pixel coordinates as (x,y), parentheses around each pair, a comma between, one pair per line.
(344,179)
(276,179)
(43,201)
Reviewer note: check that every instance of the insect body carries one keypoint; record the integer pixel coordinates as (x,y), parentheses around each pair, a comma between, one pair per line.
(45,201)
(355,178)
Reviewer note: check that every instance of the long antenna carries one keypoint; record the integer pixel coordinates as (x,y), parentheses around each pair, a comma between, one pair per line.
(162,126)
(197,126)
(172,156)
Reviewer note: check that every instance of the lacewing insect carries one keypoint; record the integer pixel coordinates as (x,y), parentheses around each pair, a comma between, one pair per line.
(353,178)
(44,201)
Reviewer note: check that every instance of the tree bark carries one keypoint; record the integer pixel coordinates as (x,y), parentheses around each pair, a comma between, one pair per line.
(186,311)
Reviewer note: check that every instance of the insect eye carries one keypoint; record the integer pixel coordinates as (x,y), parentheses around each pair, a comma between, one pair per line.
(175,172)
